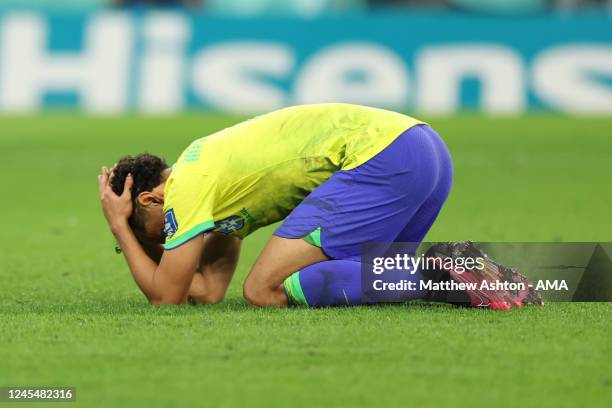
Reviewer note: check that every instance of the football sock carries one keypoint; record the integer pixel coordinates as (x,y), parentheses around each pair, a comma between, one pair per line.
(338,283)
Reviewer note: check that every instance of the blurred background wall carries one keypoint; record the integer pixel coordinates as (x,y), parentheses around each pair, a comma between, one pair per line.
(251,56)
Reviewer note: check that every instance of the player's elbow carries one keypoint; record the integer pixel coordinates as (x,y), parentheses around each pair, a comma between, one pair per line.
(166,300)
(206,299)
(215,298)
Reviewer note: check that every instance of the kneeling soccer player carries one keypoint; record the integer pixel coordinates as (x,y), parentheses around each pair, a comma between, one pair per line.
(339,175)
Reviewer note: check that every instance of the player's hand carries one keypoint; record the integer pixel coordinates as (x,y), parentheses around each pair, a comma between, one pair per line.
(117,208)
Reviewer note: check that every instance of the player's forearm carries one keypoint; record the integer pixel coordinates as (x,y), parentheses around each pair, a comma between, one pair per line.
(141,265)
(218,263)
(212,281)
(153,250)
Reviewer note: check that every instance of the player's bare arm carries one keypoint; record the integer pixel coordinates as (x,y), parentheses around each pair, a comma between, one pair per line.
(218,262)
(169,276)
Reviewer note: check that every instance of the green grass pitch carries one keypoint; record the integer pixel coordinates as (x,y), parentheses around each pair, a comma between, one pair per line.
(70,314)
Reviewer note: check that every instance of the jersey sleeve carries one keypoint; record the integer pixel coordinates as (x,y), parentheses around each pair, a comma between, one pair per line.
(188,208)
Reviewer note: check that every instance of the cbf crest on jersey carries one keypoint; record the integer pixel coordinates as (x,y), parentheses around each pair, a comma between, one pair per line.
(170,223)
(229,224)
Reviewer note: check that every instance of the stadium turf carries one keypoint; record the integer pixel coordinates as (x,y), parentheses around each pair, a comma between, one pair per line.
(71,316)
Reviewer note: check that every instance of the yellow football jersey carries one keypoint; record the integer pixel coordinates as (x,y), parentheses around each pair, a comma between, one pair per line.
(254,173)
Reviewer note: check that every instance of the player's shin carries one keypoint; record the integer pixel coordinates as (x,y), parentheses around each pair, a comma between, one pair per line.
(328,283)
(339,283)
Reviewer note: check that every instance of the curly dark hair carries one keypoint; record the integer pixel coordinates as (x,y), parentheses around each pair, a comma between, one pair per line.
(146,170)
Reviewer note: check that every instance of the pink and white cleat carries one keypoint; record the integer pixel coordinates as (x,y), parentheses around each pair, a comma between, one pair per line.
(480,285)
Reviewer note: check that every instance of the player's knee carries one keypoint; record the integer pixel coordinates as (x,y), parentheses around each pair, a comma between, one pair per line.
(256,294)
